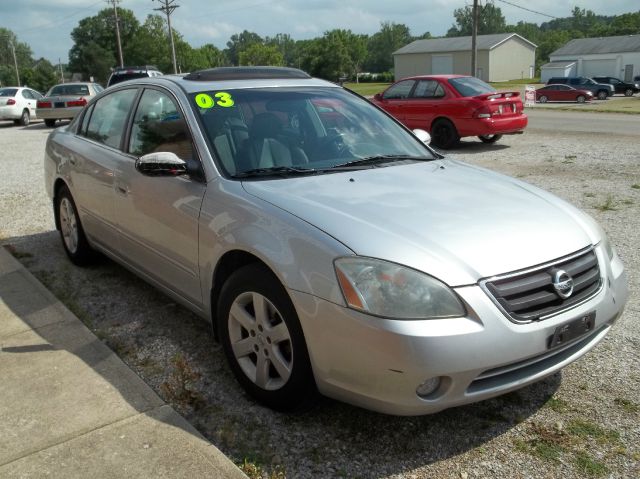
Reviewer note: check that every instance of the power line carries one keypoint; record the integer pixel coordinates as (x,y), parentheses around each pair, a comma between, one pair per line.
(527,9)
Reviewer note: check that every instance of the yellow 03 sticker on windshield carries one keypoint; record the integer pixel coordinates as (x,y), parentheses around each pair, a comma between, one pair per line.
(222,98)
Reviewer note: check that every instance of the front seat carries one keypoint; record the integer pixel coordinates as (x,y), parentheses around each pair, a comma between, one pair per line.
(263,148)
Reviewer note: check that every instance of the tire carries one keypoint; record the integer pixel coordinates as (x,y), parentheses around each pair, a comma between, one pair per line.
(489,138)
(580,99)
(74,241)
(444,134)
(602,95)
(266,351)
(24,118)
(543,99)
(628,92)
(50,123)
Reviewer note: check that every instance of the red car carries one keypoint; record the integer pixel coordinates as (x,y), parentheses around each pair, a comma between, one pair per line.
(557,92)
(450,107)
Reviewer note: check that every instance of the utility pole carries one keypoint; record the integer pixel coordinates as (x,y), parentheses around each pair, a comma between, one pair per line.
(60,68)
(115,13)
(15,61)
(474,34)
(168,8)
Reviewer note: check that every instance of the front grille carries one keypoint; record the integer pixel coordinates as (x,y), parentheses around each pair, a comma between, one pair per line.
(531,296)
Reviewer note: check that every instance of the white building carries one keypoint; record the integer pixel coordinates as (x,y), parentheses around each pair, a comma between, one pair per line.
(603,56)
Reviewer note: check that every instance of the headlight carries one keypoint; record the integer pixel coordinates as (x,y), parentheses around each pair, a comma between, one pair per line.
(608,247)
(393,291)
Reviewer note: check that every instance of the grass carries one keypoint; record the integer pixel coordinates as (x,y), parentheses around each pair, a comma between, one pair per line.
(627,405)
(635,186)
(585,429)
(256,471)
(589,466)
(557,405)
(367,89)
(608,205)
(179,386)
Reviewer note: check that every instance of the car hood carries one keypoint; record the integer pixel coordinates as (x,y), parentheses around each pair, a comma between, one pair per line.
(454,221)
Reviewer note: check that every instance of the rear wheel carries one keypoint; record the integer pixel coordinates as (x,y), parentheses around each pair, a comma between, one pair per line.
(444,134)
(24,118)
(580,99)
(50,123)
(602,95)
(489,138)
(72,234)
(263,341)
(542,99)
(628,92)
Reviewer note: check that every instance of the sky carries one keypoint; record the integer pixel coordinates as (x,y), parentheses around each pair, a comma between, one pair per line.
(46,24)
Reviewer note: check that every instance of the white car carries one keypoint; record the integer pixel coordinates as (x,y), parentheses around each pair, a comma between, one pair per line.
(18,104)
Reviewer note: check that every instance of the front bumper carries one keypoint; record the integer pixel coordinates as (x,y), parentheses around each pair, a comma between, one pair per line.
(378,363)
(492,126)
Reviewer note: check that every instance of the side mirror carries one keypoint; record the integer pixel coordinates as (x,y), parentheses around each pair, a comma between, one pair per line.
(422,135)
(377,97)
(163,163)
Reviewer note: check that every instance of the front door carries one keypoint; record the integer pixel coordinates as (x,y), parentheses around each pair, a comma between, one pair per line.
(158,216)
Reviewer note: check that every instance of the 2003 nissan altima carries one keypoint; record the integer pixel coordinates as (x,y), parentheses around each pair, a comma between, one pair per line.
(330,248)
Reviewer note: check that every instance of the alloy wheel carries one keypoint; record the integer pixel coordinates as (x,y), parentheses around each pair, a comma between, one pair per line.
(68,225)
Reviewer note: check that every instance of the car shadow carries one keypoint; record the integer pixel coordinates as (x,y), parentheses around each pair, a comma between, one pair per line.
(149,331)
(472,147)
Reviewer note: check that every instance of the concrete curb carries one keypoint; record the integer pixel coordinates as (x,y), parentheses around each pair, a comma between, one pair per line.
(69,407)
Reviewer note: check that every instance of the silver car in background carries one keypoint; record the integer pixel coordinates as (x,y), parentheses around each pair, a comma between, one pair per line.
(65,101)
(330,248)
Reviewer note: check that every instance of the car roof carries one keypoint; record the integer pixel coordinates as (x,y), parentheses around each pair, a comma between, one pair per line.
(437,77)
(234,78)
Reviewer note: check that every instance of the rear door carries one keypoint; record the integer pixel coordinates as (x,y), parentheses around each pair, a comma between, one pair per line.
(158,216)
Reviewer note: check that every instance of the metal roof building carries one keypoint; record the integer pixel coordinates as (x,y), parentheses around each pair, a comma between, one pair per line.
(501,57)
(601,56)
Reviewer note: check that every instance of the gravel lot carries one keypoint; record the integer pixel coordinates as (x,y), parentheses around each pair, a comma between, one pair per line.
(584,422)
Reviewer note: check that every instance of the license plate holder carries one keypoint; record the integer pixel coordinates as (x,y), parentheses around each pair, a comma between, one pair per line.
(572,330)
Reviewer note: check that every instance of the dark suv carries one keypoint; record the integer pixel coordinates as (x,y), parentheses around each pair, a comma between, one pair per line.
(121,74)
(621,87)
(600,90)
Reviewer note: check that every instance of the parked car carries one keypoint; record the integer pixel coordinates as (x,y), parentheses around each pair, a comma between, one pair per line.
(64,101)
(18,104)
(331,249)
(562,93)
(628,89)
(121,74)
(454,106)
(600,90)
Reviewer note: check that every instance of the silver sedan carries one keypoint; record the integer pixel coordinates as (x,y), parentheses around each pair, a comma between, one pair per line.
(330,248)
(65,101)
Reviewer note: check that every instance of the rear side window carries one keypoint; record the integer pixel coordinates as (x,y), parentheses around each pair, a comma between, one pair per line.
(428,89)
(109,116)
(158,125)
(471,86)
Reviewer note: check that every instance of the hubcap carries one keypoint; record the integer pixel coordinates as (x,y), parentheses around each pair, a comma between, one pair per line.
(68,225)
(260,341)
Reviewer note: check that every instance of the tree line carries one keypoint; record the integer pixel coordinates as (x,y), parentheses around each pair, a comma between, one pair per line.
(337,54)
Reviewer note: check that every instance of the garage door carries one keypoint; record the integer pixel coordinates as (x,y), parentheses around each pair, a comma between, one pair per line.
(591,68)
(441,64)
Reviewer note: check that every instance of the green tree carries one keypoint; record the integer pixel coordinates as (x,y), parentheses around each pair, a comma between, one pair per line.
(24,57)
(259,54)
(286,46)
(490,20)
(41,76)
(99,32)
(238,43)
(382,44)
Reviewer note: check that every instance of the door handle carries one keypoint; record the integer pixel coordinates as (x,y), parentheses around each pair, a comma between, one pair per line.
(123,191)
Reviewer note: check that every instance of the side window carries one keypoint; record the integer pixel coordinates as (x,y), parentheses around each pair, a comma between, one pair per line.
(399,91)
(85,121)
(159,126)
(27,94)
(107,122)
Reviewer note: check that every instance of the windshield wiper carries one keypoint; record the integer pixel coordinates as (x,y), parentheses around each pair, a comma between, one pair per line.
(275,171)
(379,159)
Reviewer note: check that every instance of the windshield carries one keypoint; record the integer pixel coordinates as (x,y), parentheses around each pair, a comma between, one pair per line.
(8,91)
(471,86)
(304,128)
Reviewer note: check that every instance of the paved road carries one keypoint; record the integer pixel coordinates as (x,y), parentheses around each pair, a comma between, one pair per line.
(583,122)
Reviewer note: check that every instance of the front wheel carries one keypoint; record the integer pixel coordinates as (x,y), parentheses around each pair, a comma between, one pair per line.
(263,340)
(580,99)
(602,95)
(444,134)
(72,234)
(489,138)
